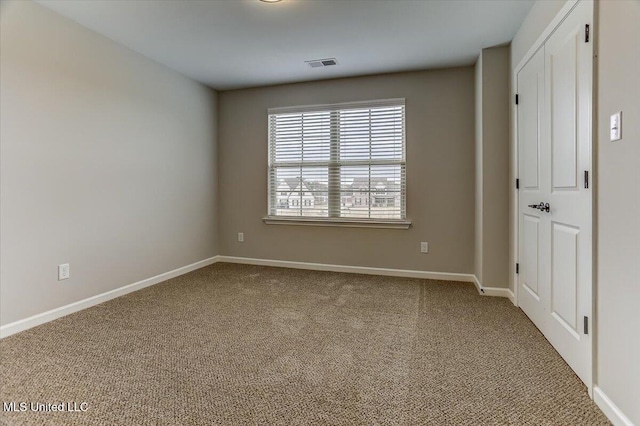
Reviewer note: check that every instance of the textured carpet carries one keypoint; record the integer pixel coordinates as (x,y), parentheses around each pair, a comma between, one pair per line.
(232,344)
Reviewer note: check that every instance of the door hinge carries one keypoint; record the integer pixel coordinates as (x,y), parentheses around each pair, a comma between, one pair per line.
(586,179)
(517,268)
(586,33)
(586,325)
(517,99)
(517,183)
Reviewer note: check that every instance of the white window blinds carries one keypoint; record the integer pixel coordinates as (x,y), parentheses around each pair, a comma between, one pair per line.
(338,161)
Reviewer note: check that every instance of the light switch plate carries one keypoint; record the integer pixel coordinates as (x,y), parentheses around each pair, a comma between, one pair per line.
(616,126)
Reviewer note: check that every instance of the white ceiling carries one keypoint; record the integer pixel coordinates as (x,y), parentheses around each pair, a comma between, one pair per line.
(230,44)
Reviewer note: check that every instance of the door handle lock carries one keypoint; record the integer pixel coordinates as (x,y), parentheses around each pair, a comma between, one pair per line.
(543,207)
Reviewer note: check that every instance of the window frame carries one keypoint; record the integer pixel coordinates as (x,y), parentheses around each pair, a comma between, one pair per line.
(334,197)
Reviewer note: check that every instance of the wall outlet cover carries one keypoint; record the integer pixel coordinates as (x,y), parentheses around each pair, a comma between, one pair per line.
(63,271)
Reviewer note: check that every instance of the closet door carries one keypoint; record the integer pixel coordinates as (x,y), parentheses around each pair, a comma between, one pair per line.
(568,90)
(532,290)
(555,198)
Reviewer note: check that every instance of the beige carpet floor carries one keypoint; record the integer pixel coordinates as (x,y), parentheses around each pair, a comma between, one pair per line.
(232,345)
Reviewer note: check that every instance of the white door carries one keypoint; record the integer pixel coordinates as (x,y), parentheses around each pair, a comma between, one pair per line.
(532,293)
(555,247)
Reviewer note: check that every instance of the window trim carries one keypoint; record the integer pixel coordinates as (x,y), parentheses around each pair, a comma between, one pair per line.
(336,107)
(339,222)
(403,223)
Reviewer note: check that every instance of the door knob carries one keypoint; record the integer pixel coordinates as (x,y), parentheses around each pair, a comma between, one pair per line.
(543,207)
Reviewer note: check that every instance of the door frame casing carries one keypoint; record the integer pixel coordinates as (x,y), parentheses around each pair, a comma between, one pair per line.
(514,159)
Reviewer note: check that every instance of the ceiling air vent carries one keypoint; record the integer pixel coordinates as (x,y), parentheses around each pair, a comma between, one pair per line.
(319,63)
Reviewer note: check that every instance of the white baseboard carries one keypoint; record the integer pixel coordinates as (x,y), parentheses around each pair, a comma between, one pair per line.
(445,276)
(494,291)
(613,413)
(35,320)
(478,285)
(499,292)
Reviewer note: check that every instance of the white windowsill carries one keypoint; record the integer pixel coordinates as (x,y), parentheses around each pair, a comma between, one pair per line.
(341,222)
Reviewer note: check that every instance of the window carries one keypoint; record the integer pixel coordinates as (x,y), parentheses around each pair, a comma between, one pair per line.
(338,162)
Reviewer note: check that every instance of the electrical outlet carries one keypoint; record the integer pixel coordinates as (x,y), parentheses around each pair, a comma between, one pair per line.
(424,247)
(63,271)
(241,237)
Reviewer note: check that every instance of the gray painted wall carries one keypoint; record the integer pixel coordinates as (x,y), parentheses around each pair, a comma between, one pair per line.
(440,180)
(108,162)
(618,206)
(478,171)
(492,168)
